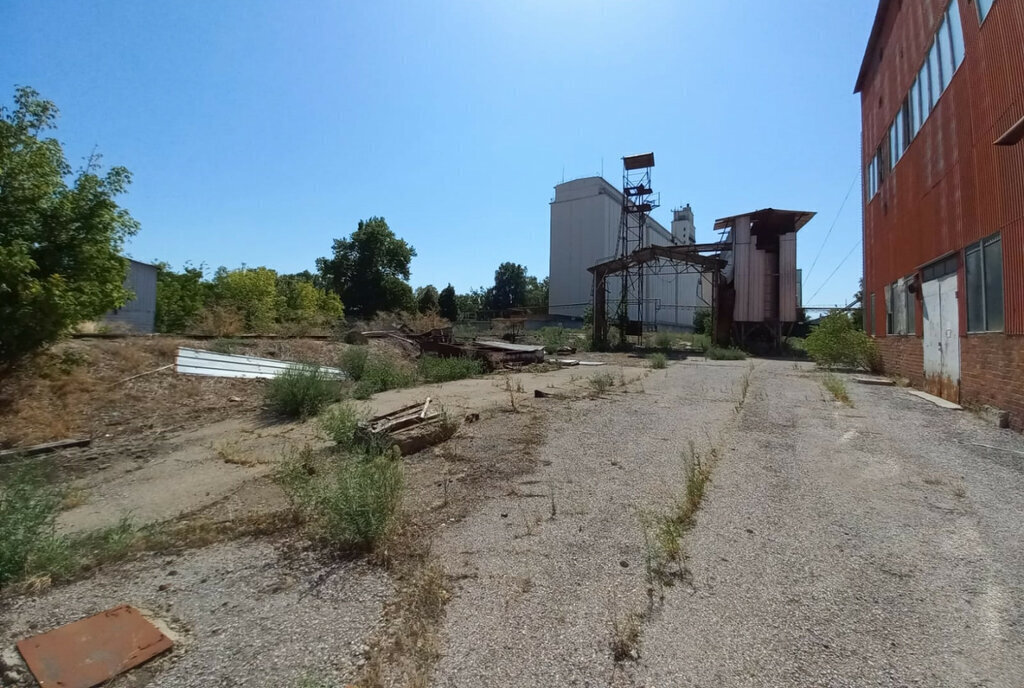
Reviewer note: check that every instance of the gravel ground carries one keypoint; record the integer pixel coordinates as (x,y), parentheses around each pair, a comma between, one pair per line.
(248,614)
(864,546)
(544,569)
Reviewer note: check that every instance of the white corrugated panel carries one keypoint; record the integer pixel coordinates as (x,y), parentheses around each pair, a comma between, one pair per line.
(200,362)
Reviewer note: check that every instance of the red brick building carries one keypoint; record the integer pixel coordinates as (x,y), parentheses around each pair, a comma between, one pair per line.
(942,109)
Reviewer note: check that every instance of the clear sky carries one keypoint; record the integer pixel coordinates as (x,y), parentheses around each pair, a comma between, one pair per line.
(258,131)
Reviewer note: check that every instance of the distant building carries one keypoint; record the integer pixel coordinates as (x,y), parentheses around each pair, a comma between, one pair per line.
(139,314)
(942,111)
(585,221)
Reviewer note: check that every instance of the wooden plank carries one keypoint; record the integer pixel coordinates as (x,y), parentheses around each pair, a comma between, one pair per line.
(45,447)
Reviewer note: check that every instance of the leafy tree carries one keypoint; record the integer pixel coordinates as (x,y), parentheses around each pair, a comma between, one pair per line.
(537,293)
(300,301)
(60,236)
(448,305)
(251,292)
(509,290)
(180,297)
(858,313)
(370,270)
(427,299)
(471,303)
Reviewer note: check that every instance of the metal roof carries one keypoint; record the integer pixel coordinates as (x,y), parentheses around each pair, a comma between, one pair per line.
(876,31)
(799,217)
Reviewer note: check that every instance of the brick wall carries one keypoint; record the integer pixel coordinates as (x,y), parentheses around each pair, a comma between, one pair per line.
(903,356)
(992,372)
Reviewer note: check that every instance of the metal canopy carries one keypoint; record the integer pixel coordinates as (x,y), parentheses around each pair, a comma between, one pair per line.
(682,254)
(637,162)
(1013,135)
(770,217)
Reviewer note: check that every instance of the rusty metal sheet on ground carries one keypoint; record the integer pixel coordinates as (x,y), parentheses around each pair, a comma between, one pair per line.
(93,650)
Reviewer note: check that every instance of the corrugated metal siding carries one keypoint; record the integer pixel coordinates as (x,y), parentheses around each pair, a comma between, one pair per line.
(952,187)
(787,278)
(140,312)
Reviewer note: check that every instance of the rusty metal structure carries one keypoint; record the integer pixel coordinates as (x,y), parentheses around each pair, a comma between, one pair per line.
(654,260)
(942,103)
(759,296)
(638,200)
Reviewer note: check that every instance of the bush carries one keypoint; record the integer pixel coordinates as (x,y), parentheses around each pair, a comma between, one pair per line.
(717,353)
(836,342)
(601,382)
(554,338)
(341,423)
(302,391)
(658,361)
(28,540)
(353,362)
(382,373)
(351,504)
(664,340)
(436,369)
(702,321)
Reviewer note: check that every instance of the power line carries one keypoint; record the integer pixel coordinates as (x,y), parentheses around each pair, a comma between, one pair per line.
(836,270)
(827,235)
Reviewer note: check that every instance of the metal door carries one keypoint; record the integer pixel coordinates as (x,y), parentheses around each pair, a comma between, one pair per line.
(941,337)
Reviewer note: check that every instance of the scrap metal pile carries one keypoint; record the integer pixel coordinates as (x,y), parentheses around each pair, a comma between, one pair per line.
(493,353)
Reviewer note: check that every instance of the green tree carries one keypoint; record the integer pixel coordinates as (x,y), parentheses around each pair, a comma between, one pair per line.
(509,290)
(370,270)
(61,234)
(537,294)
(300,301)
(836,342)
(180,297)
(471,303)
(250,292)
(448,304)
(427,299)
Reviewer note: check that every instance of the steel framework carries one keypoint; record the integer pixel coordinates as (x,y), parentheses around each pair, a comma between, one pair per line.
(638,200)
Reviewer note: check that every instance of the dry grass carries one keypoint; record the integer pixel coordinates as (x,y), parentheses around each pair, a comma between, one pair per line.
(837,387)
(626,636)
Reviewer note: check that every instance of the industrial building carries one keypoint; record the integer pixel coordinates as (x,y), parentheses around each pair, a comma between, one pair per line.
(942,108)
(586,221)
(139,314)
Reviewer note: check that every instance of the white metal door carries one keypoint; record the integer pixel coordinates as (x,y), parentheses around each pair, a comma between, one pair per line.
(941,337)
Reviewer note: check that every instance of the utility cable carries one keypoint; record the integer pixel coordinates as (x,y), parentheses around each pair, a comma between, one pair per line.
(835,271)
(829,233)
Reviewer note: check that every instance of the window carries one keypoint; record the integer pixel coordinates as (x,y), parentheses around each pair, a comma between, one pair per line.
(984,270)
(945,44)
(983,8)
(890,322)
(934,74)
(941,268)
(900,314)
(871,316)
(956,32)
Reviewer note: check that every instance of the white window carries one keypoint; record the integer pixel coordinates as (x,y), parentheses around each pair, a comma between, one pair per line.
(934,74)
(945,52)
(983,8)
(956,31)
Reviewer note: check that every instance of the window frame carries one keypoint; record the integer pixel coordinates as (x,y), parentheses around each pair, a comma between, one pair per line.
(979,247)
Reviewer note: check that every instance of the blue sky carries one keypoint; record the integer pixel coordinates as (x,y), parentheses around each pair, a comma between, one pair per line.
(259,131)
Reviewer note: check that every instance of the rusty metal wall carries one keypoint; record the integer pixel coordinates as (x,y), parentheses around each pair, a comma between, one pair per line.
(952,187)
(787,278)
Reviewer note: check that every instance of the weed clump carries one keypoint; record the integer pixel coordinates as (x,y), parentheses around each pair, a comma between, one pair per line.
(437,369)
(658,361)
(341,423)
(664,340)
(347,502)
(302,391)
(29,544)
(717,353)
(837,387)
(554,338)
(381,373)
(601,382)
(353,362)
